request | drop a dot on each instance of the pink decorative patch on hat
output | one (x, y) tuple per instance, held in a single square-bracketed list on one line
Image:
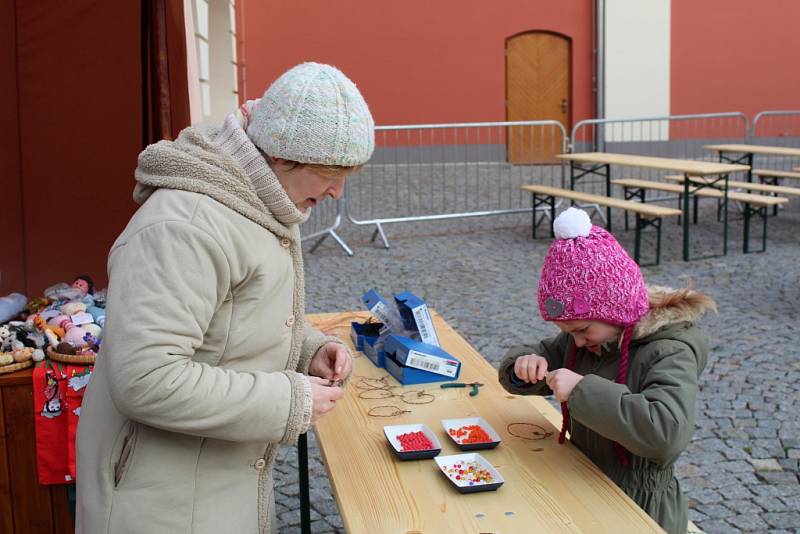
[(580, 306)]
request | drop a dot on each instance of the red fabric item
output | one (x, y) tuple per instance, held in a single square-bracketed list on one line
[(77, 379), (57, 397), (50, 421)]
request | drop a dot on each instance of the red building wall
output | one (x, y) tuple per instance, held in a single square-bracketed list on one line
[(735, 56), (415, 61), (71, 111)]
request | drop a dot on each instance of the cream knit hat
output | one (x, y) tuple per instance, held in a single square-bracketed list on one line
[(313, 113)]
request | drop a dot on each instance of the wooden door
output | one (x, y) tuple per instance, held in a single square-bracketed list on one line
[(538, 87)]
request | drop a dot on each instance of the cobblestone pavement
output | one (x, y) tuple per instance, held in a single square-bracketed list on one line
[(741, 470)]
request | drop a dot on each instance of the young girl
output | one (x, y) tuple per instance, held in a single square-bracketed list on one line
[(625, 366), (207, 364)]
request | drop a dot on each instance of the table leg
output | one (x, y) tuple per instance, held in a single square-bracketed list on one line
[(305, 501), (686, 205)]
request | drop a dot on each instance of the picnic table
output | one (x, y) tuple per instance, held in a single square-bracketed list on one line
[(599, 164), (746, 153), (548, 487)]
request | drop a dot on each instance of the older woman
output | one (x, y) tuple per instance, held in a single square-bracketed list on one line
[(207, 365)]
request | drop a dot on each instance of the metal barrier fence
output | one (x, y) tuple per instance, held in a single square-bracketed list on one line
[(776, 128), (447, 171), (325, 219), (677, 136)]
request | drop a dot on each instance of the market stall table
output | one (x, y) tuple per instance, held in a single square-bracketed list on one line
[(548, 487)]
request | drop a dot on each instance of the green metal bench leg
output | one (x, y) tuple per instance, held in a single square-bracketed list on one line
[(641, 224), (746, 244)]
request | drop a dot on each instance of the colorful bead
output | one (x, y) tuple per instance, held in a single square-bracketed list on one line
[(414, 441), (469, 473), (470, 434)]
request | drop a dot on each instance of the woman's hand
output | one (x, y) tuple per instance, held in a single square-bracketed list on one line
[(323, 397), (562, 382), (331, 362), (530, 368)]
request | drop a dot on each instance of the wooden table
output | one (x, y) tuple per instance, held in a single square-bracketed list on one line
[(548, 487), (748, 152), (26, 507), (599, 164)]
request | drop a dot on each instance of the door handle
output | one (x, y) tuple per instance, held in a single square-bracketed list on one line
[(563, 105)]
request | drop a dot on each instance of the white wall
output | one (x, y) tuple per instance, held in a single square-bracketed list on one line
[(637, 65)]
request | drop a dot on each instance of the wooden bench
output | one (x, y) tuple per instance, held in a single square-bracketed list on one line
[(646, 214), (751, 186), (774, 173), (773, 177), (753, 205)]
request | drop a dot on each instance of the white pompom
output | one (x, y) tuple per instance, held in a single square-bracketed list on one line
[(572, 223)]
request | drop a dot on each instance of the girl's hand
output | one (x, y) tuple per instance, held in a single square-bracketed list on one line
[(331, 362), (562, 382), (530, 368)]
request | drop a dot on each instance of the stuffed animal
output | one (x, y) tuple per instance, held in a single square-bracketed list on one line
[(6, 358), (73, 308), (22, 355)]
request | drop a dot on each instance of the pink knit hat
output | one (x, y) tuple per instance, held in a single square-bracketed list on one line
[(588, 276)]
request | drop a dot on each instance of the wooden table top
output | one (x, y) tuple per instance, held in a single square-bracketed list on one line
[(755, 149), (693, 167), (548, 487)]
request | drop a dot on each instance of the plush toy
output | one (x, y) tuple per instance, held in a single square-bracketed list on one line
[(22, 355), (93, 329), (11, 306), (27, 334), (65, 348), (84, 284), (40, 324), (36, 305), (74, 334), (73, 308)]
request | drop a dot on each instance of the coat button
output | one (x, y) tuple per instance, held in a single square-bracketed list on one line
[(290, 320), (261, 464), (285, 243)]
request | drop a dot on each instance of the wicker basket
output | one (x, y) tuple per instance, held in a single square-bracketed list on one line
[(15, 367), (70, 358)]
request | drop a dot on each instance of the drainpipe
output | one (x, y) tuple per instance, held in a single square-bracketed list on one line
[(600, 70)]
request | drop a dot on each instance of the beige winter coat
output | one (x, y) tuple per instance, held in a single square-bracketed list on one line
[(198, 379)]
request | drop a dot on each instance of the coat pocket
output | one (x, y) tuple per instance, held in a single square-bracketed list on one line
[(128, 445)]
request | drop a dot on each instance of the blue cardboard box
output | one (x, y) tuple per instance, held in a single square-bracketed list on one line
[(416, 317), (360, 332), (414, 362), (375, 355)]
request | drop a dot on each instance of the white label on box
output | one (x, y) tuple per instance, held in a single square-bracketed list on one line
[(425, 325), (81, 318), (432, 364)]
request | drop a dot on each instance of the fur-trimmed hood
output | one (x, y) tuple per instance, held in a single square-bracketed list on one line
[(669, 306)]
